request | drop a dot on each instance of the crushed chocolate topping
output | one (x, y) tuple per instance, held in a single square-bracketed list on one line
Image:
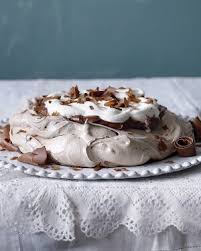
[(74, 92)]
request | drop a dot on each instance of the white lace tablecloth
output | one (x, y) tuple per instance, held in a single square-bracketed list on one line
[(97, 208)]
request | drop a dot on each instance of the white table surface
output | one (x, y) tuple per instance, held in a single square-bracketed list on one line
[(180, 95)]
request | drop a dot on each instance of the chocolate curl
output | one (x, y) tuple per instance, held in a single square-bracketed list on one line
[(185, 146), (5, 143), (196, 122), (37, 157)]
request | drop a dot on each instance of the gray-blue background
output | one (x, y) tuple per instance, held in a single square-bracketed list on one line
[(99, 38)]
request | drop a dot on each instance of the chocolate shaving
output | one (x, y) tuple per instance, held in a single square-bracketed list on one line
[(165, 127), (162, 147), (37, 157), (74, 92), (185, 146), (76, 168), (120, 169), (96, 92), (40, 107), (98, 167), (51, 97), (111, 103), (122, 103), (6, 143), (56, 114), (132, 97), (14, 158), (55, 167), (21, 130), (196, 122)]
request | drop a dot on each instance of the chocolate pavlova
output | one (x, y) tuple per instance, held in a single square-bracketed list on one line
[(108, 127)]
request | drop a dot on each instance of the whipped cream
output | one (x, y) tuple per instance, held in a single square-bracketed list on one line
[(137, 111)]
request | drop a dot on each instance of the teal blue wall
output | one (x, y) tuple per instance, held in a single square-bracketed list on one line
[(99, 38)]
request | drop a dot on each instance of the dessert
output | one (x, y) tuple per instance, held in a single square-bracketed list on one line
[(108, 127)]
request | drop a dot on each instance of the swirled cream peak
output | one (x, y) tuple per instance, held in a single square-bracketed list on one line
[(117, 107)]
